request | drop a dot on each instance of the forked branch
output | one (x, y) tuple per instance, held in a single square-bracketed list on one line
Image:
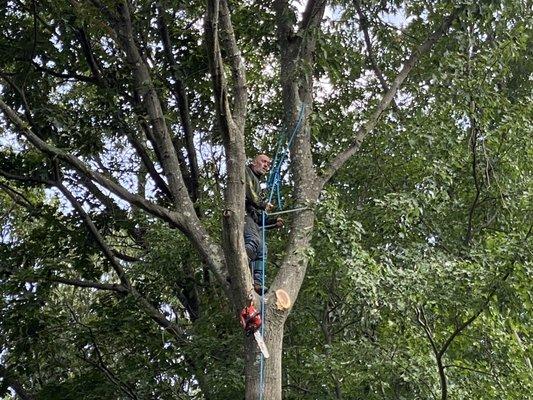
[(200, 239)]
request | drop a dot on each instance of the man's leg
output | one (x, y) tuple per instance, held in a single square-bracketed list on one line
[(253, 243), (251, 238)]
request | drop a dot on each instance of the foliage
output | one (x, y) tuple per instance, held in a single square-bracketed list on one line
[(419, 271)]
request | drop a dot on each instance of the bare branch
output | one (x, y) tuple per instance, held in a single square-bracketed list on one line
[(100, 364), (172, 217), (126, 286), (387, 98), (147, 162), (421, 318), (474, 316), (217, 69), (238, 70), (87, 50), (101, 8), (145, 305), (364, 27), (107, 201), (312, 14), (474, 131), (88, 284), (147, 93), (68, 75), (439, 353), (180, 93), (119, 270), (438, 356), (124, 257), (15, 195), (14, 86)]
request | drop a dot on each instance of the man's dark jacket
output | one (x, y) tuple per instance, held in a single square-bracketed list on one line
[(255, 202)]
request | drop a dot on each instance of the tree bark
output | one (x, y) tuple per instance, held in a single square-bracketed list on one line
[(296, 50), (266, 384), (297, 44)]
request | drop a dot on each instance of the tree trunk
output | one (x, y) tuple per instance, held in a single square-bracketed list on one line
[(271, 376)]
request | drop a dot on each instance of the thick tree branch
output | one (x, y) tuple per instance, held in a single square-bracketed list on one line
[(387, 98), (233, 138), (151, 103), (87, 50), (238, 70), (312, 14), (171, 217), (284, 27), (297, 66), (180, 93), (217, 69), (186, 222)]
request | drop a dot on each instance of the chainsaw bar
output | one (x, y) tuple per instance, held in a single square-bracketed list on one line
[(261, 344)]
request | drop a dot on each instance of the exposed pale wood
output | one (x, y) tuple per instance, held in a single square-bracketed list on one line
[(283, 300)]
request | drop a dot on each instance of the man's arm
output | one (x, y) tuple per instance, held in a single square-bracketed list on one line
[(274, 223)]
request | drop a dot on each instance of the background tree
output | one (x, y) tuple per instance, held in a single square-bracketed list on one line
[(126, 126)]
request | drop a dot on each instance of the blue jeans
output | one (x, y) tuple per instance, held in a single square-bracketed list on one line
[(253, 243)]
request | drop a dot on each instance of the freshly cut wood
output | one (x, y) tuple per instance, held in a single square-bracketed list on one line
[(283, 301)]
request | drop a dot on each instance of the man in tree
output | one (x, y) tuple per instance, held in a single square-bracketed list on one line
[(255, 204)]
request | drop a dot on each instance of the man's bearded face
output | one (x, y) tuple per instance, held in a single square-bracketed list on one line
[(261, 164)]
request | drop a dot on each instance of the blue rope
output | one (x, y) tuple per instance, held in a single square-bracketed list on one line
[(281, 154), (263, 276), (274, 178), (273, 184)]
